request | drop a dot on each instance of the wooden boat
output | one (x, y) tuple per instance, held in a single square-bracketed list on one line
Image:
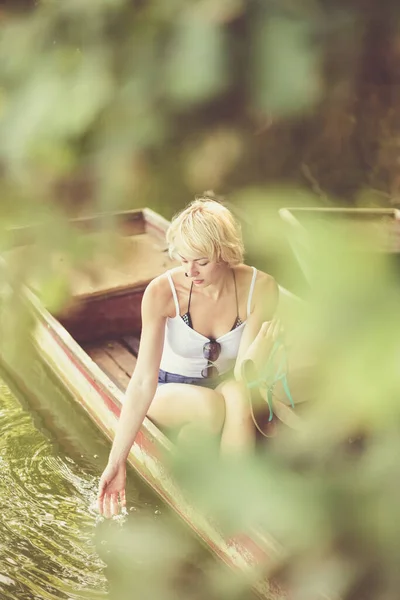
[(92, 348), (381, 226)]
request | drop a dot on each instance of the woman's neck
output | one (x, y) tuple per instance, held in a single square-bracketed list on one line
[(221, 285)]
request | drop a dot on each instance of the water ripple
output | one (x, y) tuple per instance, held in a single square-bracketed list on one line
[(46, 522)]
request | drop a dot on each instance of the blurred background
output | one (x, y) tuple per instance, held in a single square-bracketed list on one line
[(122, 103), (114, 104), (109, 105)]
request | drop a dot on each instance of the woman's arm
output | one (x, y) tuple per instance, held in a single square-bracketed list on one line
[(138, 397), (143, 384), (257, 334)]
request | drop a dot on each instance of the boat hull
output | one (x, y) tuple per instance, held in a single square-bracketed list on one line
[(102, 401), (101, 398)]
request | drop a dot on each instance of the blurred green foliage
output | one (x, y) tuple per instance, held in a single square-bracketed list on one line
[(109, 103), (115, 104)]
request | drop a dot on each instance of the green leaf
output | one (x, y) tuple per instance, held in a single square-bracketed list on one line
[(286, 73), (59, 101), (196, 66)]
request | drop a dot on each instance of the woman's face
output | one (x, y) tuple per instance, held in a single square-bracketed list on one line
[(201, 270)]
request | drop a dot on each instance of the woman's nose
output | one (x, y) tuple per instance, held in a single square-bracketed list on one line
[(192, 270)]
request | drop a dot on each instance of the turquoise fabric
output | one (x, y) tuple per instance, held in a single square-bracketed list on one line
[(270, 375)]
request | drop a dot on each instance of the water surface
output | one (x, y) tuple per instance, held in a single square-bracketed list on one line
[(51, 456), (53, 544)]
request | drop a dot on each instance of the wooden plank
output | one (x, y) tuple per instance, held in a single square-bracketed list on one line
[(101, 318), (132, 342), (121, 355), (134, 261), (109, 366), (381, 226), (130, 222), (155, 223)]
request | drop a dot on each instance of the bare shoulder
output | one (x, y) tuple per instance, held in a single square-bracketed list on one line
[(266, 291), (266, 295), (264, 283), (158, 296)]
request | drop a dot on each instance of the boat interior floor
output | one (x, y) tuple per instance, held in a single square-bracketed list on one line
[(116, 357)]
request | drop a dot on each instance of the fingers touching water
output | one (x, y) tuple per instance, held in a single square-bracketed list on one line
[(111, 496)]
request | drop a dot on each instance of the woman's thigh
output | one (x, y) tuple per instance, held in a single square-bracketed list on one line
[(237, 405), (176, 404)]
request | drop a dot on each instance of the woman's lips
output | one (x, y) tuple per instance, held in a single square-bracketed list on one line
[(198, 281)]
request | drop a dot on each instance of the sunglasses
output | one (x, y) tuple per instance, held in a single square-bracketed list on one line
[(211, 352)]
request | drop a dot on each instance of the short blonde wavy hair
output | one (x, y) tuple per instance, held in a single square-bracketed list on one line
[(206, 228)]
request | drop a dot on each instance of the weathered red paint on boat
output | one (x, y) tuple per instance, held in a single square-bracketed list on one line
[(83, 378), (109, 402), (241, 542), (106, 398)]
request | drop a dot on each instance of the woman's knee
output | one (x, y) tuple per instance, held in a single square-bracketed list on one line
[(237, 404), (212, 410)]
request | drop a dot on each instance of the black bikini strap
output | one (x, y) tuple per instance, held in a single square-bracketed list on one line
[(190, 297), (236, 296)]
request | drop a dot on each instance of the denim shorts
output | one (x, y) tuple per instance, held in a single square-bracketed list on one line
[(208, 382)]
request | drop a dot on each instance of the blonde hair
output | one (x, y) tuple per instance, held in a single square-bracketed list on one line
[(206, 228)]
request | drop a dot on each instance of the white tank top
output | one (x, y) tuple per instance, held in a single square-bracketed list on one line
[(183, 346)]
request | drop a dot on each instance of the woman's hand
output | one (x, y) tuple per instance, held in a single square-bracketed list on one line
[(261, 347), (112, 489)]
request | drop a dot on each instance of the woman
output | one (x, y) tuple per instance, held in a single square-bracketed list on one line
[(199, 321)]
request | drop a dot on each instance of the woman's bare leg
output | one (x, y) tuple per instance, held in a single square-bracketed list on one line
[(188, 408), (191, 409), (238, 433)]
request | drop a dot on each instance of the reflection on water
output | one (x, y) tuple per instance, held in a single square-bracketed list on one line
[(46, 524), (47, 489)]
